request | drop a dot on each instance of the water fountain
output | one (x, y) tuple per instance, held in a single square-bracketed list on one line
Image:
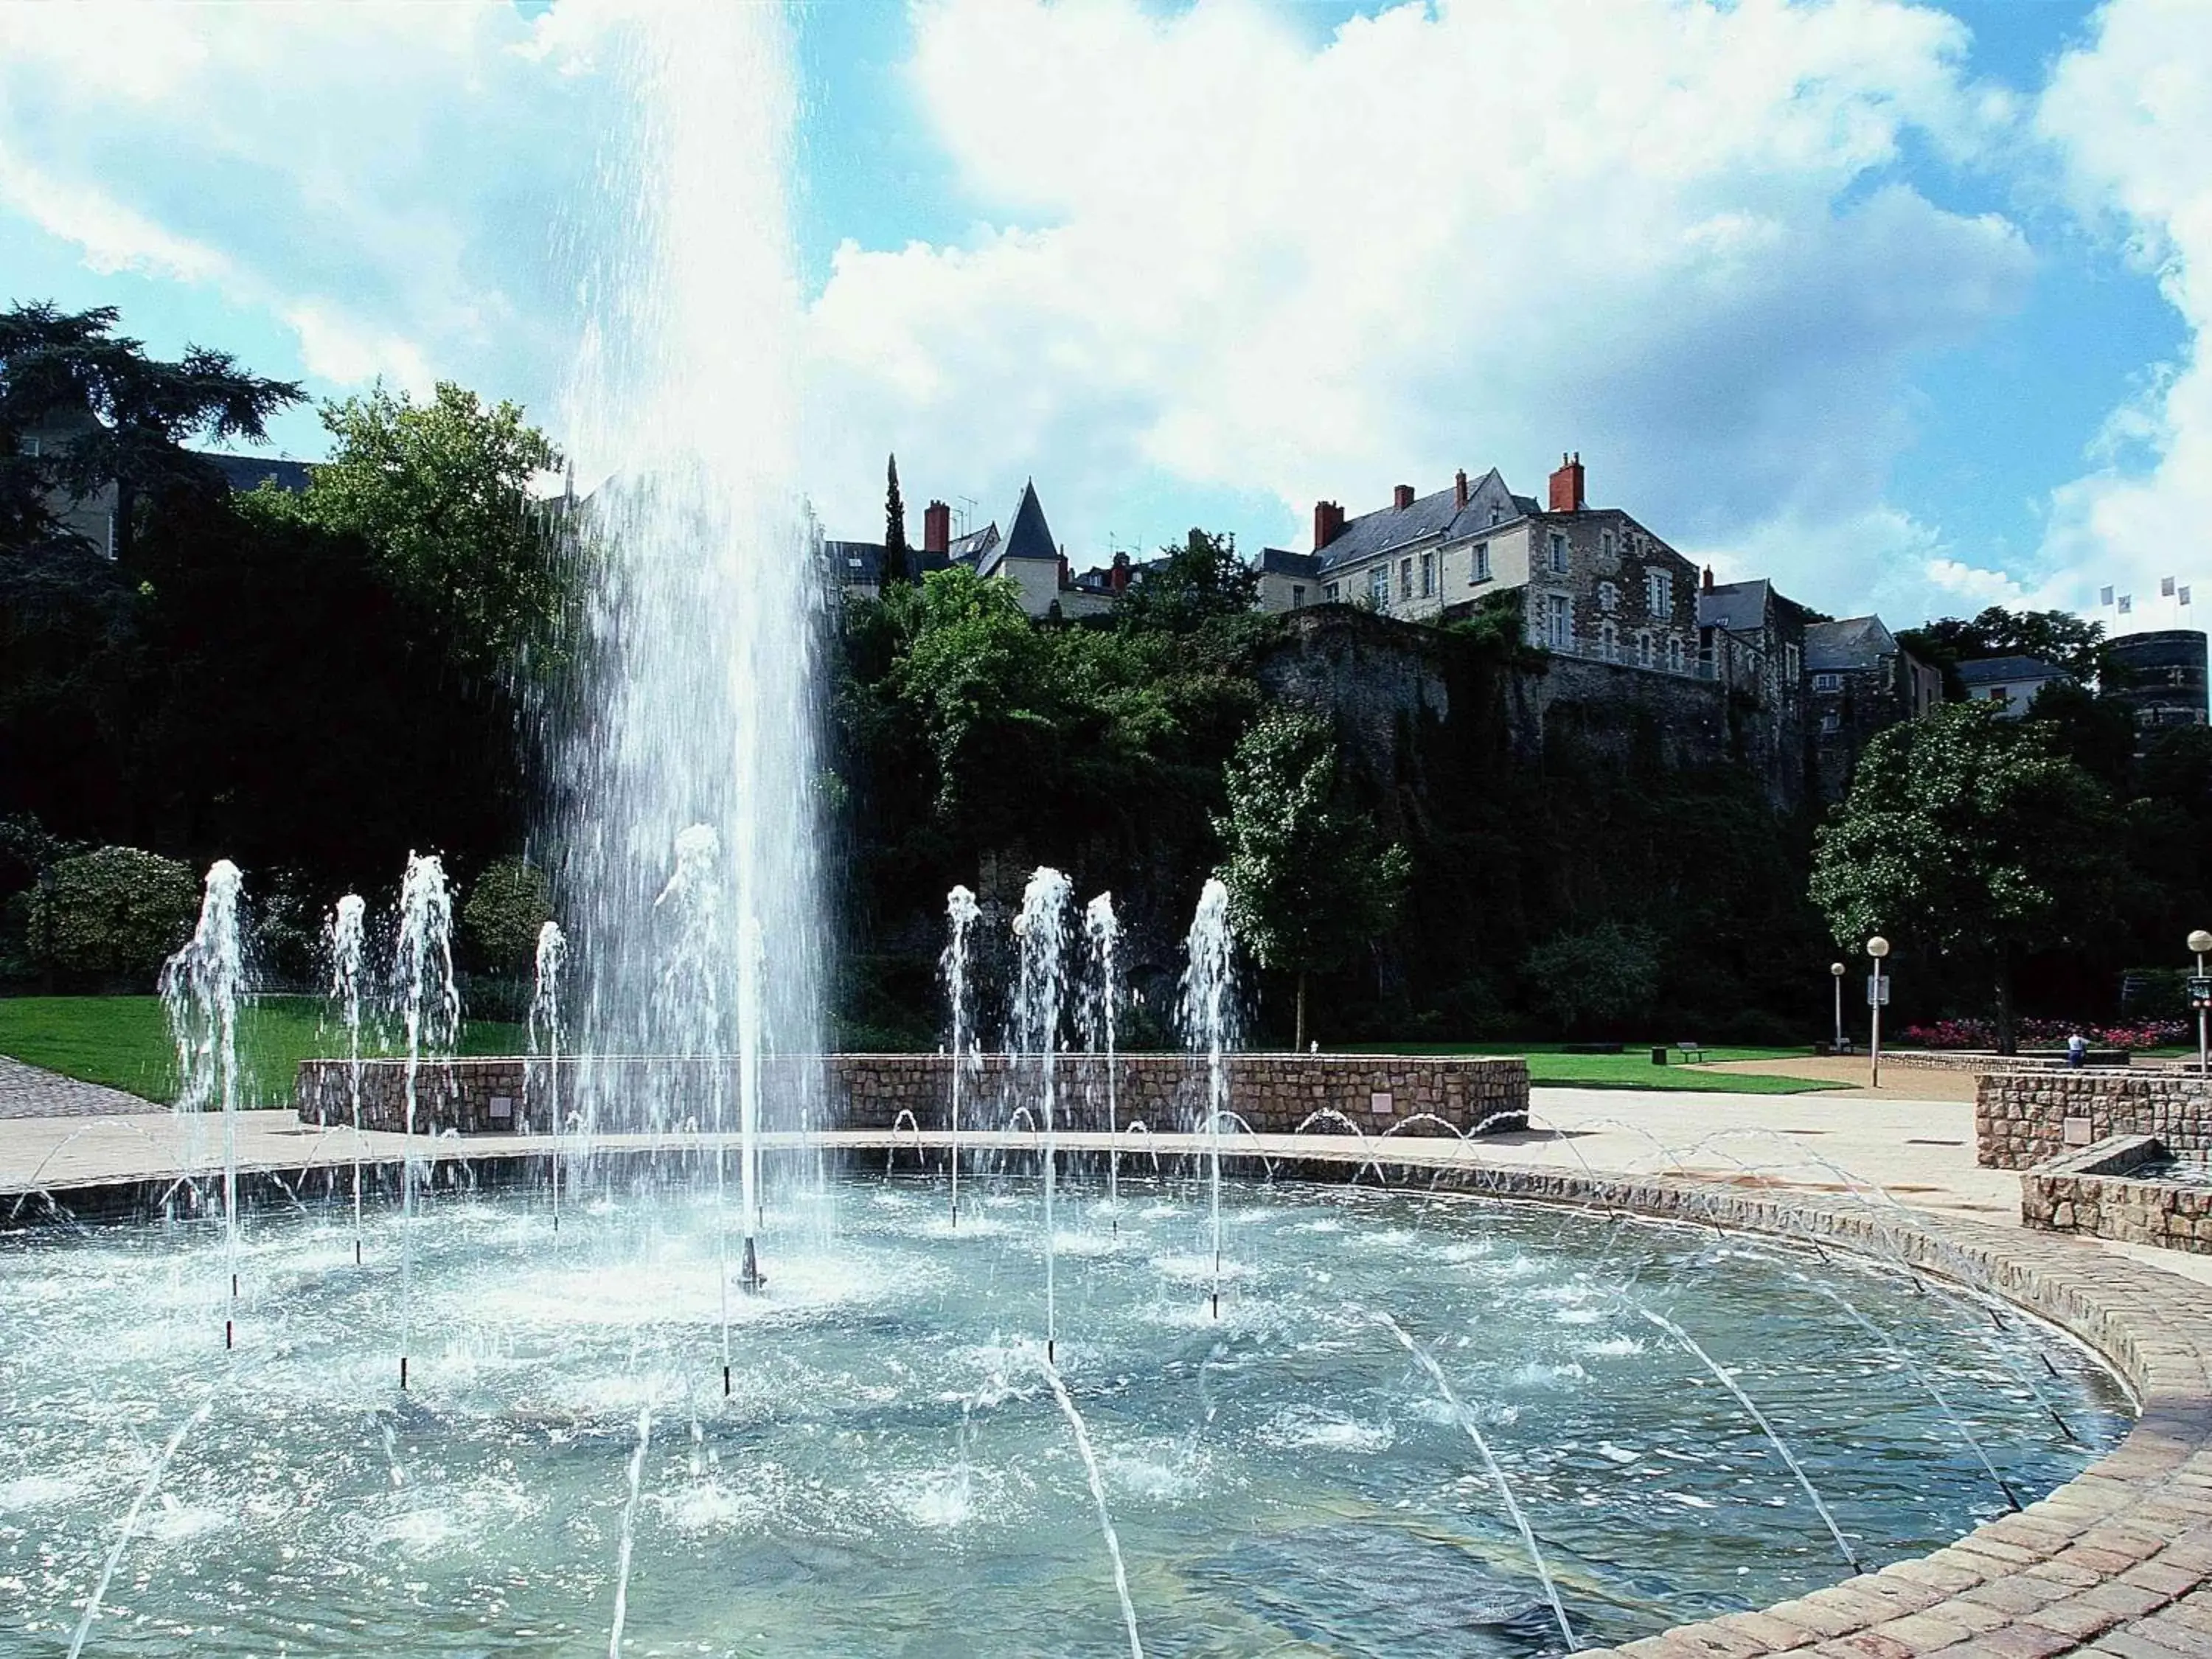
[(533, 1512), (1207, 1015), (960, 910), (342, 940), (543, 1033), (1101, 1008), (200, 987), (429, 1002), (1042, 928)]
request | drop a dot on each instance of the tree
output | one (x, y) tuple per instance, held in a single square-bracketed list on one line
[(1600, 978), (507, 906), (441, 491), (2075, 644), (129, 417), (1192, 584), (1967, 835), (897, 567), (1309, 882), (115, 913)]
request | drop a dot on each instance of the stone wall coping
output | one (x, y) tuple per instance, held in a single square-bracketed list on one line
[(2115, 1155)]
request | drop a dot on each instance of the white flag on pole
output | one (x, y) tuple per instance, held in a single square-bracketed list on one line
[(2104, 596), (2126, 603), (2166, 587)]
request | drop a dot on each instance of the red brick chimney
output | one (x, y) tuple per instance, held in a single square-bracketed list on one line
[(1066, 575), (1567, 484), (937, 528), (1328, 524), (1708, 583), (1402, 497), (1459, 489)]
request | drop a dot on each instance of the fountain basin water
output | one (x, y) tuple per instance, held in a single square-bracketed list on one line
[(891, 1472)]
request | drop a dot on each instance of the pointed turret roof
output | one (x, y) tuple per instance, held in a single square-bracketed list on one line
[(1031, 536)]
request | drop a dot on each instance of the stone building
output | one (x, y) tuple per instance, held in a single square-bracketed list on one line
[(1859, 680), (1593, 581), (1025, 555), (2159, 677)]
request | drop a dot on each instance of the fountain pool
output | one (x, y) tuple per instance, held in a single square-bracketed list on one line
[(891, 1472)]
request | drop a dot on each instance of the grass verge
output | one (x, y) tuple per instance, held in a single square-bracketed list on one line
[(124, 1042)]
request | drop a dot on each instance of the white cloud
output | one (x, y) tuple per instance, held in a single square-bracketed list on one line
[(1671, 236), (2132, 112), (382, 178)]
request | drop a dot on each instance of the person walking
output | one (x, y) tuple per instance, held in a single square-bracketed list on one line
[(2077, 1051)]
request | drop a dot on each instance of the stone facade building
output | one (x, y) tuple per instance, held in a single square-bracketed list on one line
[(1859, 680)]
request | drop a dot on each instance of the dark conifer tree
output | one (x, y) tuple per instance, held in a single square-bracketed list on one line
[(897, 566)]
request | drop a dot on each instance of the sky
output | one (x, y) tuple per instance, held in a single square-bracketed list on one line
[(1899, 304)]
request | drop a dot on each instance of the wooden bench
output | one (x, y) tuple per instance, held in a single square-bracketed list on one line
[(1691, 1052)]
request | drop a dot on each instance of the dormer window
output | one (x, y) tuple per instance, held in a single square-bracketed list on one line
[(1497, 512)]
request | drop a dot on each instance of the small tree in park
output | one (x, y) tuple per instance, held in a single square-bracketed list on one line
[(1309, 881), (1969, 835)]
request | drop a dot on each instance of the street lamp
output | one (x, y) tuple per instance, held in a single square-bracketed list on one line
[(2200, 942), (1836, 969), (1877, 947)]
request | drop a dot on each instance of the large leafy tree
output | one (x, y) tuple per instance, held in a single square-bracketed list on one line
[(1191, 584), (441, 492), (127, 417), (2074, 643), (1967, 836), (1309, 882)]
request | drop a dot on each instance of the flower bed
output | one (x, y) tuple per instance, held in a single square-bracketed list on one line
[(2046, 1034)]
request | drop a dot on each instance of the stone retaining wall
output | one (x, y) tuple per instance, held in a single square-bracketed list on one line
[(1967, 1060), (2023, 1118), (2098, 1192), (1273, 1094)]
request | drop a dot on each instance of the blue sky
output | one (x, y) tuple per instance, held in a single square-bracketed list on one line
[(1899, 302)]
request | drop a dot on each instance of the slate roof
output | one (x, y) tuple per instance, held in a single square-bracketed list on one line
[(1029, 539), (1429, 520), (856, 562), (252, 472), (1279, 561), (971, 548), (1854, 642), (1999, 671), (1739, 607)]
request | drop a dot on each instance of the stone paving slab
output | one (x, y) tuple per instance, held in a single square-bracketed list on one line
[(31, 1091)]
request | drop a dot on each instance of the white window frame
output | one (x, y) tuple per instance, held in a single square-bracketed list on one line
[(1831, 723), (1297, 596), (1428, 575), (1609, 642), (1826, 681), (1674, 654), (1378, 585), (1559, 553), (1331, 593), (1608, 597), (1644, 647), (1659, 592), (1406, 577), (1479, 559), (1560, 622)]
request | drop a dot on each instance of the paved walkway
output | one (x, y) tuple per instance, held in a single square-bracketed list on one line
[(33, 1092)]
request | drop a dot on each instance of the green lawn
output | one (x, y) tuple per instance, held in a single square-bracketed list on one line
[(1632, 1068), (124, 1042)]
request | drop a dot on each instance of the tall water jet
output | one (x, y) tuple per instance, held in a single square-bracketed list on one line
[(430, 1014), (544, 1031), (199, 988), (1208, 1023), (1101, 928), (344, 936), (1041, 927), (700, 959), (960, 910), (752, 974), (694, 699)]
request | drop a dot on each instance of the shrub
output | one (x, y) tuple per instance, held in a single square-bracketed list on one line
[(509, 902), (1598, 979), (117, 912)]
